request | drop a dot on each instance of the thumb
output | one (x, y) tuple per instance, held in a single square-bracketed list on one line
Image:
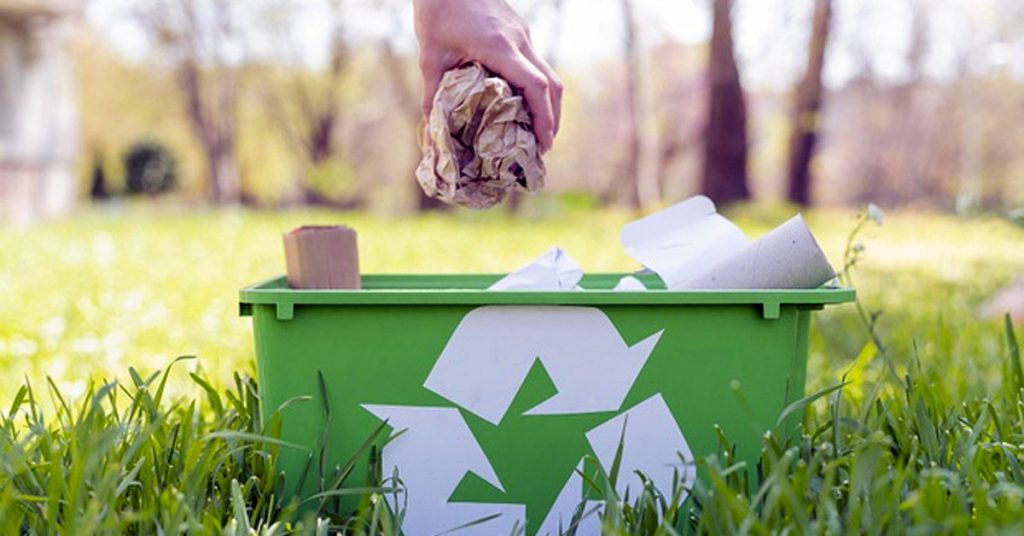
[(431, 81)]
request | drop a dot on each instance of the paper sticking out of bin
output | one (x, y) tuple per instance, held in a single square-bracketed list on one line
[(553, 270), (691, 246), (322, 257), (786, 258), (683, 241)]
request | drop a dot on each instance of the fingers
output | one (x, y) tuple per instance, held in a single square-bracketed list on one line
[(554, 83), (513, 66)]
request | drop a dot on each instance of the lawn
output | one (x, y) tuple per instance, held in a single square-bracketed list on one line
[(930, 430)]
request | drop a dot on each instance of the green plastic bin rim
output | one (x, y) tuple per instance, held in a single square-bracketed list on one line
[(471, 289)]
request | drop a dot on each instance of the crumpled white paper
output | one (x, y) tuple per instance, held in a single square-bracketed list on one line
[(554, 270)]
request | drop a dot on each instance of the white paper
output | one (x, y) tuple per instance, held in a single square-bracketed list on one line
[(554, 270), (786, 258), (683, 241), (492, 350)]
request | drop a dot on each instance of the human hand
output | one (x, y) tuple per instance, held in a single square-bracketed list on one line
[(454, 32)]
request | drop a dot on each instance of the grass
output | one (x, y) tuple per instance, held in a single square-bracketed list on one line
[(926, 434)]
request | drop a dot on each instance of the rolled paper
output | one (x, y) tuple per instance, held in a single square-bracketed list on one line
[(786, 258), (322, 257)]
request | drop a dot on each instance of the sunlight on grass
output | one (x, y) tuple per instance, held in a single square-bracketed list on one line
[(140, 285)]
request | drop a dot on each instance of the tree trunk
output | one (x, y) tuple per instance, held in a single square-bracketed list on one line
[(807, 107), (725, 140), (214, 126), (224, 177), (630, 177)]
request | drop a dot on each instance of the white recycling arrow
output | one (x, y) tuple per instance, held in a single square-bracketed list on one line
[(433, 455), (559, 518), (491, 351), (652, 444)]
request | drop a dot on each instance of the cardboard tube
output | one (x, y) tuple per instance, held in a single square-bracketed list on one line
[(786, 258), (320, 257)]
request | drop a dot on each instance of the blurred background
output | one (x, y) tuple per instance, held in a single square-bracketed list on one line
[(152, 153), (275, 103)]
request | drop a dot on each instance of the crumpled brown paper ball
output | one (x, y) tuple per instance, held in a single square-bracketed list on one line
[(478, 143)]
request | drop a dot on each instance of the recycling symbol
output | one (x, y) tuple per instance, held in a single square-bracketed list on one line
[(481, 371)]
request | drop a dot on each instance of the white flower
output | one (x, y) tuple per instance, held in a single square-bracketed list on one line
[(875, 214)]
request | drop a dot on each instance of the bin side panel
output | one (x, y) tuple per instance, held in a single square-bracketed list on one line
[(367, 355), (722, 365)]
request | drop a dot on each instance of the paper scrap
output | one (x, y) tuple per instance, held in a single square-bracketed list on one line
[(478, 143), (554, 270), (682, 241), (786, 258)]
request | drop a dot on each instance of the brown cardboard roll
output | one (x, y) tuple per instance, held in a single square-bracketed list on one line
[(788, 257), (322, 256)]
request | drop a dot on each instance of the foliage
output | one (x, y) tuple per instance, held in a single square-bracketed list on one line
[(907, 137), (927, 439), (125, 459), (150, 168)]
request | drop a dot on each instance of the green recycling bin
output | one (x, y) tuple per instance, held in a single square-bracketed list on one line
[(498, 398)]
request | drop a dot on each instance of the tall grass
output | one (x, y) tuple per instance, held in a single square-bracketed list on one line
[(916, 425), (908, 459)]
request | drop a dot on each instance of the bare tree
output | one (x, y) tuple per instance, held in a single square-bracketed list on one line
[(307, 107), (629, 183), (807, 107), (725, 140), (196, 37)]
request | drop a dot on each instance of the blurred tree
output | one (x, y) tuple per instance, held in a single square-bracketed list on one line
[(725, 139), (198, 38), (678, 111), (807, 107), (629, 177), (150, 168), (307, 110), (98, 190), (146, 103)]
